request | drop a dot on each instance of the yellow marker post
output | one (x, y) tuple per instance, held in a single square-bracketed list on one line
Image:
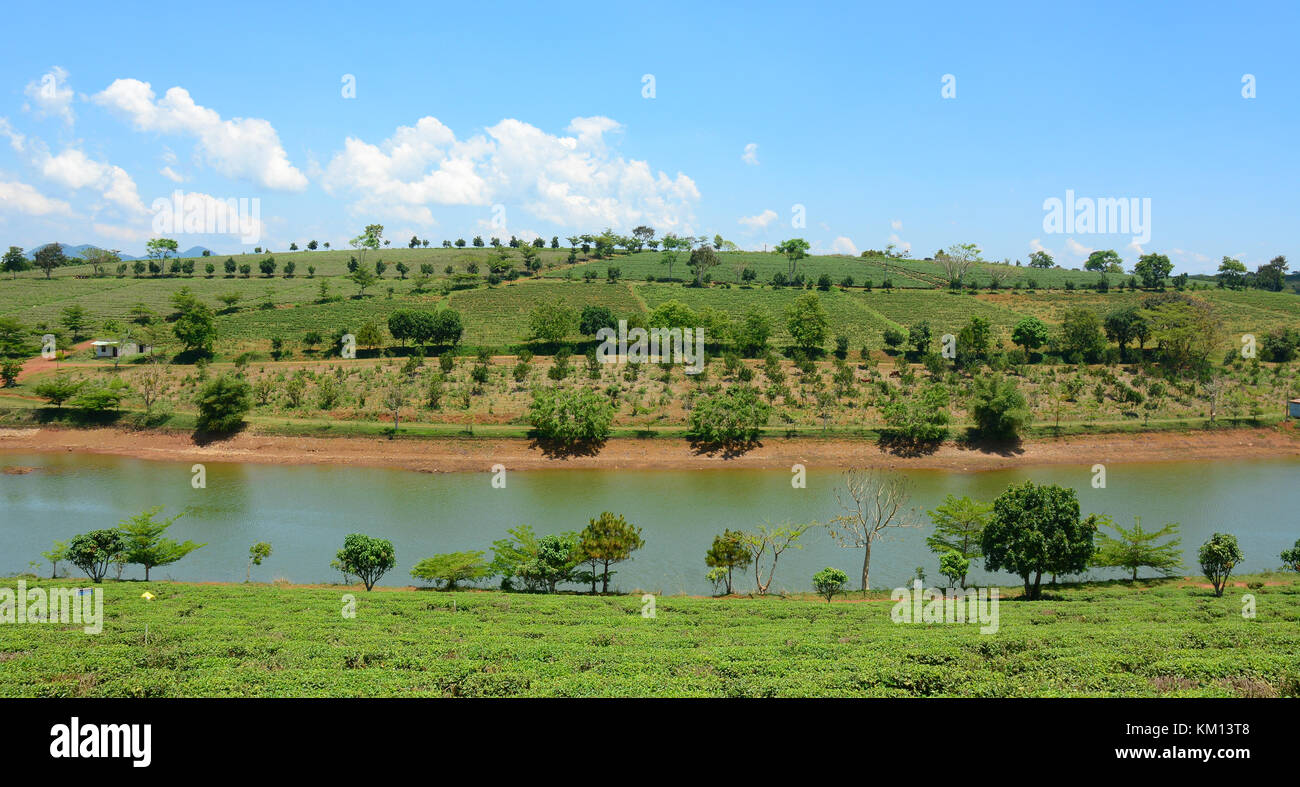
[(147, 596)]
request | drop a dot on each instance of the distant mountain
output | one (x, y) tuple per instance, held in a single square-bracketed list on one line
[(76, 251)]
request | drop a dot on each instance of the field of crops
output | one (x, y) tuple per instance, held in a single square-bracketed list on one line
[(1153, 639), (499, 316), (647, 264)]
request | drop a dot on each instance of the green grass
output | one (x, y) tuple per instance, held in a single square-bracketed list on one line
[(1114, 639)]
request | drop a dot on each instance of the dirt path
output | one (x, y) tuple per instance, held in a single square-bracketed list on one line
[(479, 454), (38, 364)]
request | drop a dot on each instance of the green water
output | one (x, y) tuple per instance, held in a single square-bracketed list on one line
[(305, 512)]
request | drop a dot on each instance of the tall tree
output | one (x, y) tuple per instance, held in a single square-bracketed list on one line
[(146, 541), (794, 249), (50, 257), (873, 501), (607, 539), (958, 526), (1136, 548)]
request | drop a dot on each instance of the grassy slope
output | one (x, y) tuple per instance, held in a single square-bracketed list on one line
[(1150, 639)]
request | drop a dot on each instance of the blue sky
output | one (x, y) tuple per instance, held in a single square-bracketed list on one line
[(535, 116)]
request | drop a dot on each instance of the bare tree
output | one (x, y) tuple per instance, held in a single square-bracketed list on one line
[(873, 501), (1214, 389), (958, 259), (151, 383), (765, 546)]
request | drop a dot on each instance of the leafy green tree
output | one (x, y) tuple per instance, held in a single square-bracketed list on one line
[(1030, 333), (223, 403), (364, 279), (58, 389), (1136, 548), (920, 418), (101, 397), (196, 326), (49, 257), (607, 539), (1081, 333), (974, 341), (15, 261), (1124, 326), (794, 249), (366, 557), (730, 418), (1218, 556), (451, 568), (594, 318), (1232, 273), (56, 553), (1291, 557), (727, 554), (552, 322), (147, 544), (807, 322), (752, 333), (92, 552), (959, 524), (1152, 270), (261, 550), (829, 581), (998, 407), (1041, 259), (1035, 530), (571, 417), (702, 260), (1104, 261), (954, 566)]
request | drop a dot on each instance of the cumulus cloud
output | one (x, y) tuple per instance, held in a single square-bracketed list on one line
[(841, 245), (50, 96), (573, 180), (172, 175), (22, 198), (75, 170), (1076, 248), (750, 156), (247, 148), (899, 242), (896, 225), (759, 221)]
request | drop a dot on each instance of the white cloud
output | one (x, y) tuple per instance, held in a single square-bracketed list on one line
[(75, 170), (1076, 248), (16, 141), (172, 175), (759, 221), (750, 156), (246, 148), (896, 225), (25, 199), (841, 245), (573, 181), (899, 242), (1036, 245), (51, 95)]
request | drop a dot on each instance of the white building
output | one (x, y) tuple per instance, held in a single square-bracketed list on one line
[(115, 349)]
